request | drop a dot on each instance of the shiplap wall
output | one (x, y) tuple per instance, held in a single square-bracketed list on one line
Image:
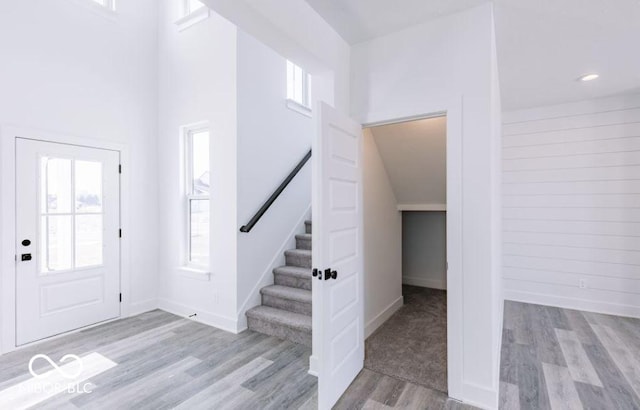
[(571, 205)]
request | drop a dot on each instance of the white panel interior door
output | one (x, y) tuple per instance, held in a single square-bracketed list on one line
[(67, 228), (337, 231)]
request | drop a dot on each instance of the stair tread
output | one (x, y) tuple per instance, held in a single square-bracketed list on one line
[(296, 271), (303, 236), (286, 292), (303, 252), (308, 222), (282, 317)]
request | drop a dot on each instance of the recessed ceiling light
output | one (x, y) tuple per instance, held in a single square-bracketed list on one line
[(588, 77)]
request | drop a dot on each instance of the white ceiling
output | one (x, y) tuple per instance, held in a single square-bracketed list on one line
[(543, 45), (414, 156)]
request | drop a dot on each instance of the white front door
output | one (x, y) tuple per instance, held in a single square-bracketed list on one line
[(67, 244), (337, 253)]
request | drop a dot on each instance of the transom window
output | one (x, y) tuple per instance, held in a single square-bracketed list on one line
[(298, 85), (109, 4), (197, 196), (190, 6), (71, 214)]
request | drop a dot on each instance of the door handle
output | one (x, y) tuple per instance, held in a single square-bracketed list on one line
[(26, 257), (330, 274)]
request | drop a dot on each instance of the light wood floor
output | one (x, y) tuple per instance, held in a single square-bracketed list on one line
[(164, 361), (567, 359), (551, 359)]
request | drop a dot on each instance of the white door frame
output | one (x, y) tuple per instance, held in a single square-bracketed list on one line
[(8, 136), (455, 297)]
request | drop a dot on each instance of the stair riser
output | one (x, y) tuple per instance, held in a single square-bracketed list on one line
[(302, 261), (307, 227), (303, 243), (281, 331), (292, 281), (287, 304)]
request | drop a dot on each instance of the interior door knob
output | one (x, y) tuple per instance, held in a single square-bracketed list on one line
[(330, 274)]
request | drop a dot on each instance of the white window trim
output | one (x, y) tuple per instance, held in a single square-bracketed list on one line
[(299, 108), (189, 268), (108, 10), (303, 107), (191, 18)]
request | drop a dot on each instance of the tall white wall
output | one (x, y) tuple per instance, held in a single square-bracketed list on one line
[(571, 195), (197, 82), (438, 64), (69, 70), (382, 240), (424, 249), (272, 139)]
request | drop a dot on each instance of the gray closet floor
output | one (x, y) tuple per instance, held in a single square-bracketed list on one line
[(556, 358), (164, 361)]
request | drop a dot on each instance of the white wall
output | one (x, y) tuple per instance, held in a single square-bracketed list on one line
[(197, 82), (571, 195), (72, 71), (424, 249), (272, 139), (431, 67), (382, 240), (295, 30)]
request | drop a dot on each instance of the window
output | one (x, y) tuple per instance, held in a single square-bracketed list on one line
[(190, 6), (298, 86), (191, 12), (71, 214), (109, 4), (197, 195)]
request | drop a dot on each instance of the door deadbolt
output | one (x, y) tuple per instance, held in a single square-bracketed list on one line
[(26, 242)]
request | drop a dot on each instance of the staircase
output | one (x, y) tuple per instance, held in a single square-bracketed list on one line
[(286, 306)]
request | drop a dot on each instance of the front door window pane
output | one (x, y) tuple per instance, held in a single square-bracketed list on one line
[(56, 184), (88, 240), (88, 190), (57, 240)]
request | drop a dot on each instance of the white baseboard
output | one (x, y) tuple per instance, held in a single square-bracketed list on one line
[(208, 318), (573, 303), (480, 396), (313, 366), (424, 282), (382, 317), (142, 307)]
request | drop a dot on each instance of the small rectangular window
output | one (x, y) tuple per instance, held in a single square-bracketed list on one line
[(298, 85), (197, 195), (109, 4), (191, 12)]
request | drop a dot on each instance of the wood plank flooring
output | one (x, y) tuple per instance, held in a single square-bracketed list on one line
[(557, 359), (372, 390), (164, 361)]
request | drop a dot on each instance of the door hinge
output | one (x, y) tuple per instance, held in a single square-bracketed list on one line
[(121, 298), (119, 168), (119, 233)]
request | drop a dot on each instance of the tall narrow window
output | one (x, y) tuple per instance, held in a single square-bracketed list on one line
[(298, 85), (197, 198)]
